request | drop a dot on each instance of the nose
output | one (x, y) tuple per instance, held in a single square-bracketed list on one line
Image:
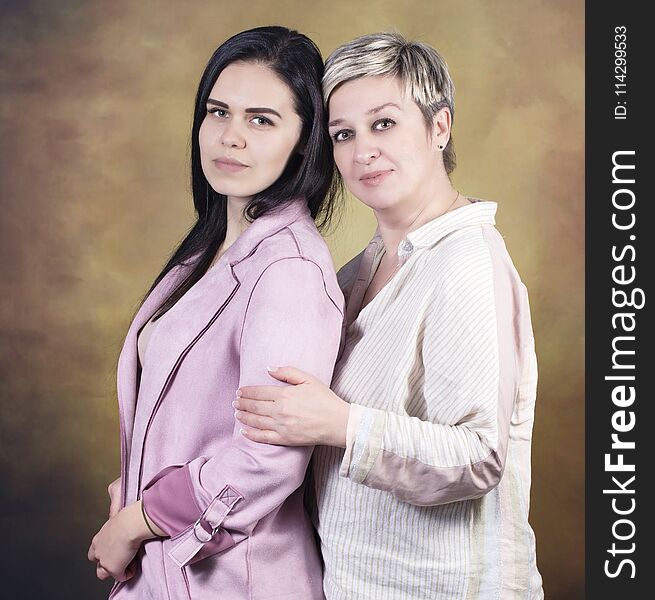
[(231, 136), (365, 151)]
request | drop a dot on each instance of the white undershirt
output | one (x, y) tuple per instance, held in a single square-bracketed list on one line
[(144, 338)]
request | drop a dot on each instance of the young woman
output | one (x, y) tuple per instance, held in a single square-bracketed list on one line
[(423, 479), (200, 511)]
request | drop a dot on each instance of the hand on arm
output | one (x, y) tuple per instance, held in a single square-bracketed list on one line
[(304, 413), (470, 363)]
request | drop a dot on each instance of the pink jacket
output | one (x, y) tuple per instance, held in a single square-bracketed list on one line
[(232, 507)]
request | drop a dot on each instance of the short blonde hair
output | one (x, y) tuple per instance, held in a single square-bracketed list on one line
[(420, 68)]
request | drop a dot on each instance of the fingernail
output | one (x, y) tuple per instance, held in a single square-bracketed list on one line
[(242, 431), (238, 393), (235, 404), (237, 413), (272, 369)]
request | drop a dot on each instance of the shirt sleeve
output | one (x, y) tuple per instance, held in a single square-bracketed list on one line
[(477, 350), (290, 320)]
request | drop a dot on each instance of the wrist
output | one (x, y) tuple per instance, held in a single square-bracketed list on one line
[(337, 436), (137, 528)]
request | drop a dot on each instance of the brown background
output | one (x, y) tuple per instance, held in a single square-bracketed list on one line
[(96, 100)]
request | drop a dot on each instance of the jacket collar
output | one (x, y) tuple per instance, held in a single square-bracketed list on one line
[(264, 227)]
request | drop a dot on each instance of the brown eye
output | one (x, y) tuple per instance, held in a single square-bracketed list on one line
[(382, 124), (219, 112), (342, 135), (259, 120)]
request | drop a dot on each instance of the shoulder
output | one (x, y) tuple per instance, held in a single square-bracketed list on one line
[(480, 245), (296, 260), (473, 268), (461, 259), (308, 241), (295, 286), (298, 239)]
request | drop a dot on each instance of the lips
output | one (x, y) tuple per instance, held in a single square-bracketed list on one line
[(375, 177), (230, 165)]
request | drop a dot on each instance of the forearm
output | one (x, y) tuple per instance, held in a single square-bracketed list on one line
[(420, 462), (259, 479)]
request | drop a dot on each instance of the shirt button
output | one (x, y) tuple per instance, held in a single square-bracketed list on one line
[(405, 248)]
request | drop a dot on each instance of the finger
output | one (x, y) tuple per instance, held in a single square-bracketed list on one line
[(255, 407), (255, 420), (290, 375), (263, 436), (269, 393)]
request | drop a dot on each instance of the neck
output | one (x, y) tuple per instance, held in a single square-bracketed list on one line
[(236, 222), (396, 221)]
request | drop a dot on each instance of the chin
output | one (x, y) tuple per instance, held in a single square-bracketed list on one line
[(236, 191), (377, 199)]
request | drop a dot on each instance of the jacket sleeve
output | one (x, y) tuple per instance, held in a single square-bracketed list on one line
[(478, 366), (213, 502)]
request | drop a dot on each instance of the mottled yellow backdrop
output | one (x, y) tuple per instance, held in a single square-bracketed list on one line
[(96, 103)]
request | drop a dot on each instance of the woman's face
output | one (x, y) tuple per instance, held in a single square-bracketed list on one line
[(381, 143), (249, 131)]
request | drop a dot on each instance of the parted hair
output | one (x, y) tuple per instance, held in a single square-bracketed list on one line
[(421, 70)]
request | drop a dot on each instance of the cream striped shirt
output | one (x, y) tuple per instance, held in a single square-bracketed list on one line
[(430, 498)]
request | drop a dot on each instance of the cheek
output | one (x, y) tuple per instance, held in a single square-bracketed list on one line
[(204, 137), (342, 159), (276, 152), (411, 153)]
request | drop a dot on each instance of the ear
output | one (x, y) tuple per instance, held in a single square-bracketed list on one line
[(441, 128)]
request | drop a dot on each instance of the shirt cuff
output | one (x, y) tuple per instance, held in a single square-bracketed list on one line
[(364, 436), (169, 501)]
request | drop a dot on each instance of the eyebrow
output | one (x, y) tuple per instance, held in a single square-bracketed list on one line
[(256, 109), (377, 109)]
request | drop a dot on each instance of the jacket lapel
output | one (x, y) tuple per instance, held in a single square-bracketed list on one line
[(180, 328), (127, 370)]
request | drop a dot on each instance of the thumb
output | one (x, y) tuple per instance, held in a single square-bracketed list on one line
[(289, 375)]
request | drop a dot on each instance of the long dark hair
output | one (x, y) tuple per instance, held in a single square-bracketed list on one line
[(310, 175)]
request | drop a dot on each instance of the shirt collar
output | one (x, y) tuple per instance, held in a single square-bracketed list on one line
[(479, 212)]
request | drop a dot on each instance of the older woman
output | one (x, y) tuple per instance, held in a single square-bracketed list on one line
[(422, 483)]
